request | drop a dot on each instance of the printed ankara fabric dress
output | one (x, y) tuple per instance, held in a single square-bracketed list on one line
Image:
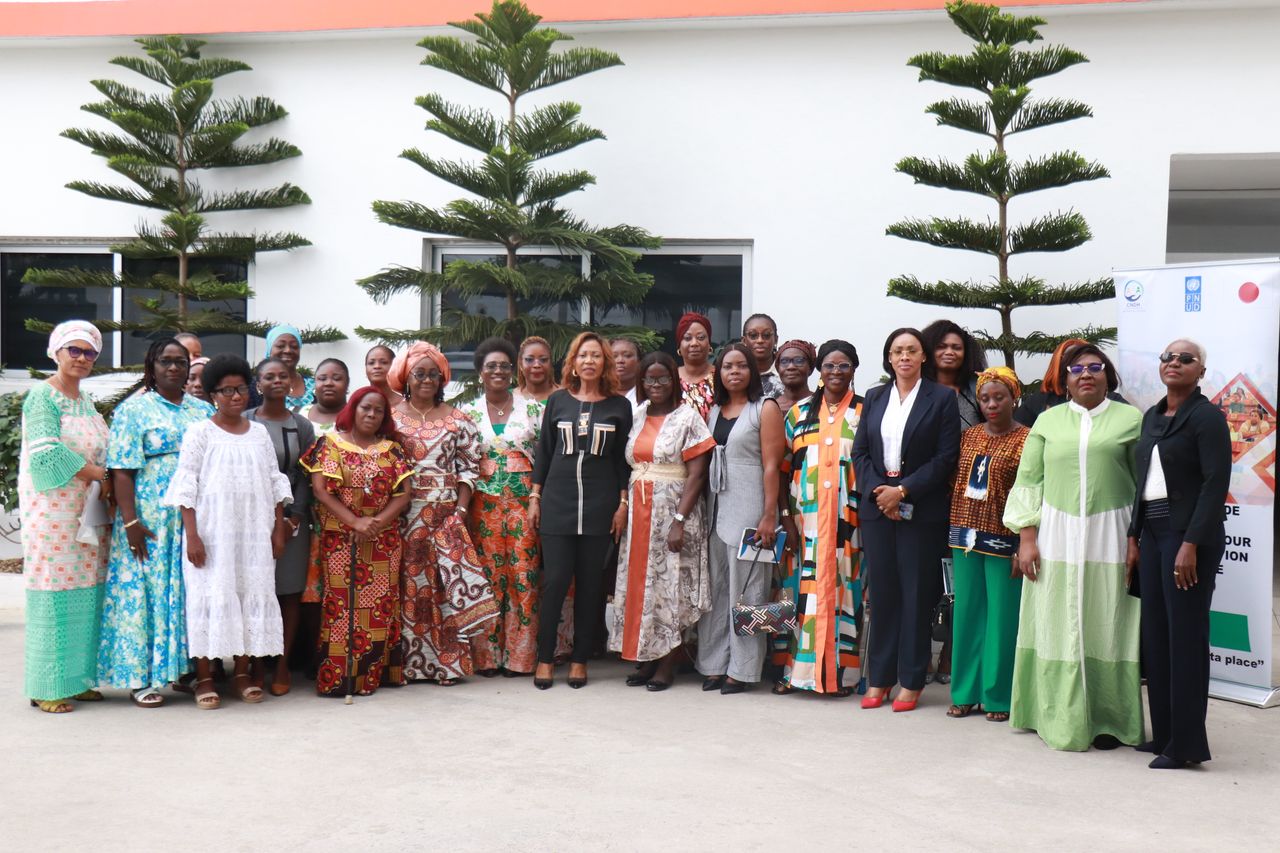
[(360, 616), (825, 577), (233, 484), (700, 395), (445, 599), (144, 620), (505, 542), (1075, 671), (63, 575), (660, 594)]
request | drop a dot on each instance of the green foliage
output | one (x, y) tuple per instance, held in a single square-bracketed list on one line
[(10, 445), (165, 135), (513, 201), (1000, 69)]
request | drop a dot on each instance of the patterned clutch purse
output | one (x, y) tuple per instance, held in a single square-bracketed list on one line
[(775, 617)]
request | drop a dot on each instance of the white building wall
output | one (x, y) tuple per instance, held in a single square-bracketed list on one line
[(785, 135)]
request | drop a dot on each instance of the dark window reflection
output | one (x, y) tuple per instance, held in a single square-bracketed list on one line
[(709, 284), (20, 348), (136, 343)]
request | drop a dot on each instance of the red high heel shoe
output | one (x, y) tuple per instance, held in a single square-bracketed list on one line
[(875, 701), (906, 705)]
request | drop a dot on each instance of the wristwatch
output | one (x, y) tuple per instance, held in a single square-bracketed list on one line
[(678, 516)]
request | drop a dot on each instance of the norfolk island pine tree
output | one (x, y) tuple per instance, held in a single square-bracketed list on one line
[(1000, 71)]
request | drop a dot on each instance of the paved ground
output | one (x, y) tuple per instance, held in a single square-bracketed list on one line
[(497, 765)]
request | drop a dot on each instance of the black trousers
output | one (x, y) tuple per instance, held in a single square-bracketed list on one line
[(904, 577), (579, 559), (1175, 640)]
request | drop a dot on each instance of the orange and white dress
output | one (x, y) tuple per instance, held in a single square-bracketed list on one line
[(659, 594)]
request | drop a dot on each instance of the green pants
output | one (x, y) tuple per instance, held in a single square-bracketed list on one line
[(985, 630)]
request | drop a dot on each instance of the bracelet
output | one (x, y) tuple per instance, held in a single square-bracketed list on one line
[(535, 496), (902, 493), (132, 523)]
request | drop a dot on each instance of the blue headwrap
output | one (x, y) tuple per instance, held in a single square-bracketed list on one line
[(283, 329)]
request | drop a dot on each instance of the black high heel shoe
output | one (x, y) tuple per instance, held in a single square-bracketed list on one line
[(577, 681), (543, 683), (641, 676)]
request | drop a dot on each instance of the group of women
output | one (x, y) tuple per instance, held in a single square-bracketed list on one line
[(441, 541)]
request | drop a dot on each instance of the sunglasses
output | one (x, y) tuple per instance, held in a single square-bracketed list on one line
[(166, 363), (1180, 357), (1093, 368), (796, 361), (759, 336), (81, 352), (424, 375), (656, 381)]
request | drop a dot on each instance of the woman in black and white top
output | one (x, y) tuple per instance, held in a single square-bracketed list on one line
[(579, 499)]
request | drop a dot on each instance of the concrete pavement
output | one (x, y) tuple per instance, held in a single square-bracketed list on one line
[(496, 765)]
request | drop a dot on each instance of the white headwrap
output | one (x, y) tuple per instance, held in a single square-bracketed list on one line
[(73, 330)]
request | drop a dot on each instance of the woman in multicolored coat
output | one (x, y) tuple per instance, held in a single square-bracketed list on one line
[(822, 520)]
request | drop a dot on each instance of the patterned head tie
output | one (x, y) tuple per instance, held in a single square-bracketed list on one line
[(1004, 376), (73, 330)]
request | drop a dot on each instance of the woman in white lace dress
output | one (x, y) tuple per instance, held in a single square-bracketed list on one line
[(232, 497)]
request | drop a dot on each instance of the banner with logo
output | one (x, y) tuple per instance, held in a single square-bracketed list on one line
[(1233, 310)]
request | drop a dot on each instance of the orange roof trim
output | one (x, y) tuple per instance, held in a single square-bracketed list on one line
[(56, 18)]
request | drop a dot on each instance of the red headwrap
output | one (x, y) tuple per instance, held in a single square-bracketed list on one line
[(805, 347), (688, 320), (346, 419), (398, 374)]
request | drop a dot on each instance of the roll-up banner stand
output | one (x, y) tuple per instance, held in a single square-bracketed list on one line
[(1232, 308)]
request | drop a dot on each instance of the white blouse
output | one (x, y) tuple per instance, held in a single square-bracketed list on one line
[(1155, 489), (894, 423)]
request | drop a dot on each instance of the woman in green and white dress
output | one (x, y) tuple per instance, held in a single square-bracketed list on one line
[(1075, 672)]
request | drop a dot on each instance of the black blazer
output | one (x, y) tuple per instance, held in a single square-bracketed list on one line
[(930, 447), (1195, 455)]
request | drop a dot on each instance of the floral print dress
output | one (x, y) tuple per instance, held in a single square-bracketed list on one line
[(505, 542), (144, 626)]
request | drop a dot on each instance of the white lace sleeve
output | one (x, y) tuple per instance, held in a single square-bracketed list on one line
[(184, 488)]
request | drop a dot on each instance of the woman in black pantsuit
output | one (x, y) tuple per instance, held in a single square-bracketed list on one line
[(904, 455), (1176, 540), (579, 498)]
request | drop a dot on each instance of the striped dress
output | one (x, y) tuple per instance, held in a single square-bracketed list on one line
[(1075, 672), (825, 578)]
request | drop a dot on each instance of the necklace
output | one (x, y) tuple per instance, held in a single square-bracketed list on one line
[(422, 416), (502, 411)]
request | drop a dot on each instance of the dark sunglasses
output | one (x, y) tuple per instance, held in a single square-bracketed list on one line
[(1180, 357), (1094, 367), (81, 352)]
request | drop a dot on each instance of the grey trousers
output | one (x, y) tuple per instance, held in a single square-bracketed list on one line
[(720, 651)]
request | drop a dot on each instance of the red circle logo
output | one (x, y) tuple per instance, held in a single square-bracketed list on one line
[(1248, 292)]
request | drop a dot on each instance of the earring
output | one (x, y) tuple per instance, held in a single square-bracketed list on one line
[(575, 373)]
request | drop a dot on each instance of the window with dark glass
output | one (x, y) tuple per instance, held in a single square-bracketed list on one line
[(706, 283), (494, 303), (20, 348), (135, 345)]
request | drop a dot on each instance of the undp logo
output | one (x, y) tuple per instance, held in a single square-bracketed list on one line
[(1132, 291)]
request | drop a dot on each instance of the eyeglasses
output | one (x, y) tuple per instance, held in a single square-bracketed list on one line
[(425, 375), (536, 359), (656, 381), (81, 352), (1095, 367), (232, 391), (766, 335), (901, 351), (796, 361), (838, 367), (1180, 357), (497, 366), (166, 363)]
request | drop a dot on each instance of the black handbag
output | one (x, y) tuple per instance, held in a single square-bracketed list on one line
[(942, 613)]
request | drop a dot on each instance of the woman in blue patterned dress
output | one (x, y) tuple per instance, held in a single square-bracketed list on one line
[(143, 643)]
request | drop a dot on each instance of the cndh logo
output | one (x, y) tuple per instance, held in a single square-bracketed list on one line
[(1132, 291)]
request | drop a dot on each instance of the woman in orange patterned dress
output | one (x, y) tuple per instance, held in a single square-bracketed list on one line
[(357, 477), (447, 601)]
